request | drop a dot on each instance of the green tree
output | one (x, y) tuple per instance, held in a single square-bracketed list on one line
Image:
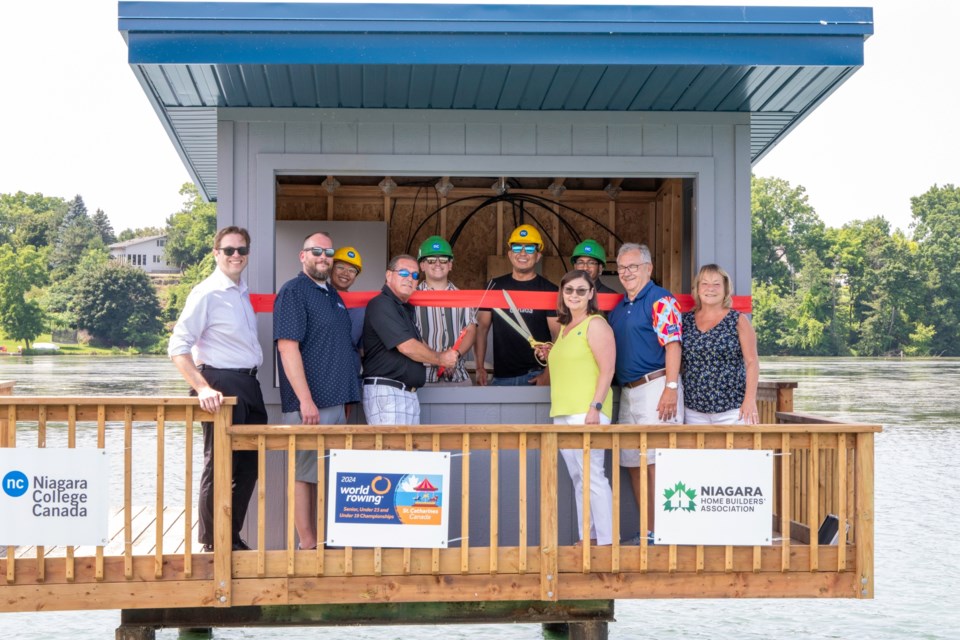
[(30, 219), (177, 294), (784, 228), (74, 236), (117, 304), (102, 224), (936, 229), (21, 271), (190, 232), (139, 232)]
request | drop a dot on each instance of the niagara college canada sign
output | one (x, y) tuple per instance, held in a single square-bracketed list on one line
[(54, 497), (714, 497)]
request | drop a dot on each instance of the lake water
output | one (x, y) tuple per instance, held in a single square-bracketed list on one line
[(917, 518)]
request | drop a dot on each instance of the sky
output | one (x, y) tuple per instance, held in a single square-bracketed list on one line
[(74, 119)]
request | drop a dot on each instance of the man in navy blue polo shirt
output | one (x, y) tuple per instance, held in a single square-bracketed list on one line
[(319, 366), (646, 326), (393, 350)]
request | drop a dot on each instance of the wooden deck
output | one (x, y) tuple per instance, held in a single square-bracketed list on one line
[(826, 468)]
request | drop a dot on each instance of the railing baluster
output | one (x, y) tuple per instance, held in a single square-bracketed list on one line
[(222, 508), (785, 506), (261, 505), (585, 490), (842, 502), (465, 506), (615, 457), (435, 555), (701, 442), (127, 491), (728, 550), (813, 499), (101, 444), (407, 446), (494, 500), (672, 549), (864, 504), (522, 504), (757, 550), (348, 551), (161, 435), (188, 493), (321, 502), (41, 444), (70, 564), (378, 551), (642, 500), (291, 503), (10, 442), (549, 574)]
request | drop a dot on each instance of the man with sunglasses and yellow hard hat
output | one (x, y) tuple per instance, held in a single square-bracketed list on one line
[(514, 361), (393, 351), (444, 328)]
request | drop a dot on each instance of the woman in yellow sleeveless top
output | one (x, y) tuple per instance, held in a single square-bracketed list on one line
[(581, 369)]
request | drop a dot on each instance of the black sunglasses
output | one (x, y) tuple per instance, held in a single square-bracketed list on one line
[(320, 251), (229, 251)]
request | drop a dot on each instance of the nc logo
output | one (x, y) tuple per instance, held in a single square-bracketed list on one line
[(15, 484)]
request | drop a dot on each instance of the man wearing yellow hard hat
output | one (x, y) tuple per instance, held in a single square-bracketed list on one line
[(514, 361)]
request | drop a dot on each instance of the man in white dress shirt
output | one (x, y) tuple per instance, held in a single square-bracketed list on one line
[(215, 347)]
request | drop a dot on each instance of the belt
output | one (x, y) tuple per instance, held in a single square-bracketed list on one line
[(247, 372), (647, 378), (388, 382)]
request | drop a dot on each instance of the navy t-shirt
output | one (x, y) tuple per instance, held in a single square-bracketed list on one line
[(316, 317)]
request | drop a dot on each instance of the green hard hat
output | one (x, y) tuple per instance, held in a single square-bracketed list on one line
[(434, 246), (589, 249)]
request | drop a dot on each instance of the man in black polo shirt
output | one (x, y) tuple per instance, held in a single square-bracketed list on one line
[(393, 351)]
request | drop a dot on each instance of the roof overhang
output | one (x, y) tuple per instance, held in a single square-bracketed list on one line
[(775, 63)]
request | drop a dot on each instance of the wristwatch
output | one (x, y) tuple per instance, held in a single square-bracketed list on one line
[(672, 385), (598, 406)]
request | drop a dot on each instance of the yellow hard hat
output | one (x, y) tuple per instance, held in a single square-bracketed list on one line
[(350, 256), (526, 234)]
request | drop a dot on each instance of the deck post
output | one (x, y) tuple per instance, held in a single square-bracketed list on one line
[(549, 527), (222, 507), (864, 526)]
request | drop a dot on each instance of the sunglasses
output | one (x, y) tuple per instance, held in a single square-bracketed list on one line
[(406, 273), (580, 291), (320, 251), (229, 251), (440, 260), (526, 248)]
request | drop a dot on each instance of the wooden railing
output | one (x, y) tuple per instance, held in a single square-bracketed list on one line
[(152, 563)]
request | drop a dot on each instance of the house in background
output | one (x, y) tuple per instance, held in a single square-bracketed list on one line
[(144, 253)]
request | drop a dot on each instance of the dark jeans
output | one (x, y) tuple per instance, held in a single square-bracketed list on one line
[(516, 381), (248, 410)]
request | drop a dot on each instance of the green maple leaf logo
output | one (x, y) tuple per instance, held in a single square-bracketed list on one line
[(680, 498)]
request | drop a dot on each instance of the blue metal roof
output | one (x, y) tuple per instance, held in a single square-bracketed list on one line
[(775, 63)]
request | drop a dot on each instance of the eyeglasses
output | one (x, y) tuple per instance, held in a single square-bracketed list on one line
[(406, 273), (585, 262), (526, 248), (437, 260), (320, 251), (632, 268), (580, 291), (345, 267), (229, 251)]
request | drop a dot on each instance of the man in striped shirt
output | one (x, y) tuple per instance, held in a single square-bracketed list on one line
[(442, 326)]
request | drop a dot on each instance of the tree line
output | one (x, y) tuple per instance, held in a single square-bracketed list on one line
[(56, 272), (861, 289)]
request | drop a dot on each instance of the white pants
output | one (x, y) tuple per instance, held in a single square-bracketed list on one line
[(639, 406), (724, 417), (387, 405), (601, 496)]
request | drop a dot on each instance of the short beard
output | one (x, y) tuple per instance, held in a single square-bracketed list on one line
[(316, 275)]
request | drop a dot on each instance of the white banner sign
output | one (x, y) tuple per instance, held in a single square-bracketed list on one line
[(713, 497), (54, 497), (388, 499)]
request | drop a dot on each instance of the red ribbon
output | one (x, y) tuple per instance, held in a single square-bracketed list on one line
[(545, 300)]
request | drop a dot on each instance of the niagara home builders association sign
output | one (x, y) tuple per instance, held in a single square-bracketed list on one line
[(54, 497), (714, 497)]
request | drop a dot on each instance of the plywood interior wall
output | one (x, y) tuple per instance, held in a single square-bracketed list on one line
[(648, 211)]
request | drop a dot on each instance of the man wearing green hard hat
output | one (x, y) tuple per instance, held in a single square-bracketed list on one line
[(443, 328), (589, 256)]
